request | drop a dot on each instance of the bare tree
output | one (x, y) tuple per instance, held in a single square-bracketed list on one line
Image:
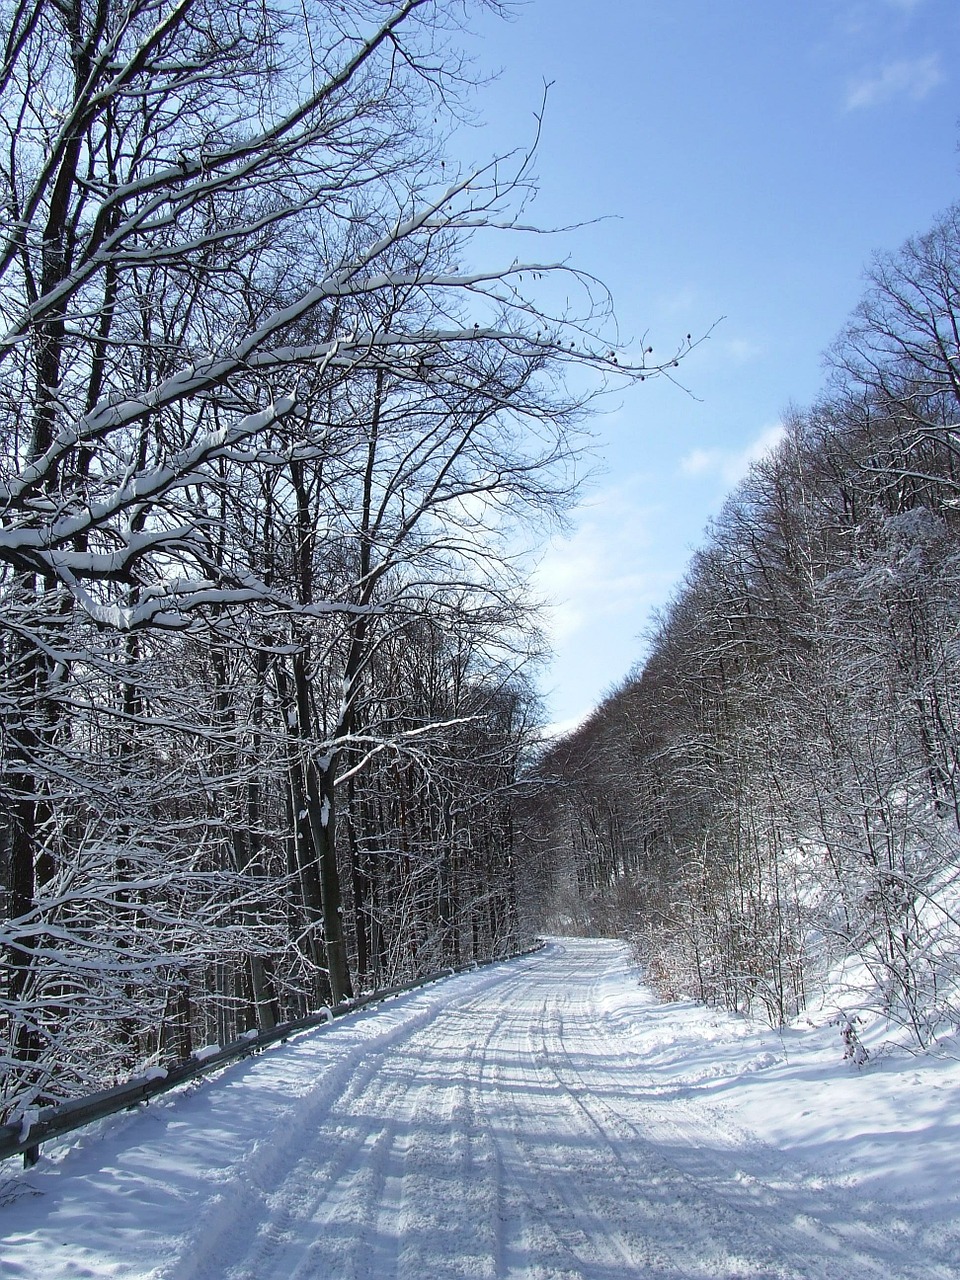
[(258, 408)]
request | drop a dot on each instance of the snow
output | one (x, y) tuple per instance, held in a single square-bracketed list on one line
[(155, 1072), (204, 1052), (29, 1118), (542, 1119)]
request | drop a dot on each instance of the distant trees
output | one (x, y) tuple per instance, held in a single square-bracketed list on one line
[(267, 437), (778, 785)]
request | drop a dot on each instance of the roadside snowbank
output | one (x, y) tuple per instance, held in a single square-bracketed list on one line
[(889, 1127)]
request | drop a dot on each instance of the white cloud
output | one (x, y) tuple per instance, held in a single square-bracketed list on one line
[(728, 464), (700, 461), (683, 301), (604, 569), (601, 584), (913, 78), (561, 728), (741, 350)]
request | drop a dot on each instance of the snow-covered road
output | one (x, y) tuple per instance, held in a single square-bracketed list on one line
[(509, 1123)]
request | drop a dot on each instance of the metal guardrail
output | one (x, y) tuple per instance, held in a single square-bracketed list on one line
[(24, 1136)]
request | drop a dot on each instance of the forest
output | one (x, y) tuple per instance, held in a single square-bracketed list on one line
[(275, 443), (770, 801), (287, 397)]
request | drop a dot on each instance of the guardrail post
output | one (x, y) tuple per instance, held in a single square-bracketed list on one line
[(31, 1156)]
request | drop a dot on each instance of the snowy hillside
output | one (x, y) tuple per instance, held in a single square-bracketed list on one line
[(543, 1118)]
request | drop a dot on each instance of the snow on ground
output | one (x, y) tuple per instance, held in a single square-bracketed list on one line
[(543, 1119)]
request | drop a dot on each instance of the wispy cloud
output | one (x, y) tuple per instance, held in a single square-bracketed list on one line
[(602, 582), (560, 728), (683, 301), (740, 350), (606, 568), (731, 465), (912, 78)]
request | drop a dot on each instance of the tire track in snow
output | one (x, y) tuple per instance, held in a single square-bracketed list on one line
[(409, 1193), (697, 1231), (599, 1211), (780, 1219), (498, 1126), (552, 1220), (268, 1208)]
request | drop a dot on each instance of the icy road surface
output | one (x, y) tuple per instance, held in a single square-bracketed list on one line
[(544, 1119)]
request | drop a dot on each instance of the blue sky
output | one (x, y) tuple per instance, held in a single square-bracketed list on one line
[(749, 157)]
